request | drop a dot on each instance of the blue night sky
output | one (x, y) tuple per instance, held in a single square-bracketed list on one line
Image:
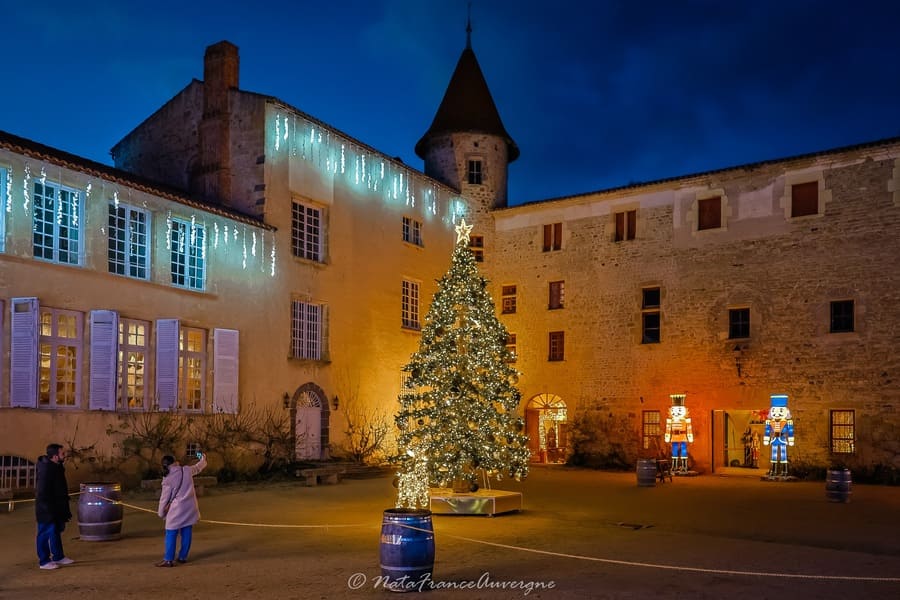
[(596, 94)]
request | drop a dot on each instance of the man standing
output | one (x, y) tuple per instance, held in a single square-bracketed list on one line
[(51, 508)]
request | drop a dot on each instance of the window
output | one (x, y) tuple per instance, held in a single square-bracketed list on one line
[(134, 348), (650, 316), (805, 199), (412, 231), (5, 201), (709, 213), (476, 245), (650, 429), (552, 237), (843, 431), (307, 330), (128, 250), (557, 291), (474, 172), (192, 368), (409, 305), (508, 299), (738, 323), (557, 345), (188, 243), (511, 347), (57, 223), (842, 316), (59, 357), (306, 231), (625, 225)]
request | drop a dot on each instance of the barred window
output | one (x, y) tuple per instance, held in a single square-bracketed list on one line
[(306, 232), (409, 305), (57, 225), (188, 246), (306, 330), (843, 431), (650, 429), (128, 248)]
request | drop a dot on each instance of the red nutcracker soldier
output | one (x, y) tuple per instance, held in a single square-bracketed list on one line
[(679, 432), (779, 434)]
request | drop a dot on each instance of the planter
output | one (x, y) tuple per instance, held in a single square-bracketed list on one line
[(407, 548), (100, 512)]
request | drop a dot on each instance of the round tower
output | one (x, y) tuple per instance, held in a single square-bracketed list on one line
[(467, 146)]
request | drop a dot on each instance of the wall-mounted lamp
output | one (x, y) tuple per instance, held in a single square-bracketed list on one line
[(738, 357), (335, 403), (286, 400)]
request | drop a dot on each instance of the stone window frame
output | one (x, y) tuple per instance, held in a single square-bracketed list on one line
[(628, 217), (731, 311), (842, 443), (693, 215), (508, 299), (800, 177), (475, 160)]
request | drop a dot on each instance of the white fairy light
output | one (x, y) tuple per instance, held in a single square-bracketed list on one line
[(74, 216), (272, 255), (225, 231), (193, 230), (215, 236), (277, 133), (25, 183), (253, 248), (8, 190), (116, 199), (343, 159), (244, 258), (285, 128), (168, 230)]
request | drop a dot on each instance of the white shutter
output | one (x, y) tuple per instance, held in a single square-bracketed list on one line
[(167, 364), (24, 352), (225, 370), (104, 351)]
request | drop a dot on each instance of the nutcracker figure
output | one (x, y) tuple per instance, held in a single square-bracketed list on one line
[(779, 434), (679, 432)]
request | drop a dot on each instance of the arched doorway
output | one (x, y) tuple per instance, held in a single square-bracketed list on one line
[(310, 422), (546, 422)]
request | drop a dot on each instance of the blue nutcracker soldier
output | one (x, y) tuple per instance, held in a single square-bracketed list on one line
[(779, 434)]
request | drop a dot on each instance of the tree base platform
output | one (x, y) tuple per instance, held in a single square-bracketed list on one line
[(444, 501)]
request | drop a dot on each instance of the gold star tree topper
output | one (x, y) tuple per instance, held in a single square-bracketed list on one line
[(462, 231)]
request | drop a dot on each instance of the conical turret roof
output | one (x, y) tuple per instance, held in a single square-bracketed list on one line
[(467, 107)]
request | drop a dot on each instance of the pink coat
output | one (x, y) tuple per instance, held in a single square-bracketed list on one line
[(179, 495)]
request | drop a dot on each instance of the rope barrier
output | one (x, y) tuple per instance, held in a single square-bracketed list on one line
[(612, 561)]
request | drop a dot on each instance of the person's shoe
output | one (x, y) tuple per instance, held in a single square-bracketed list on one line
[(64, 561), (165, 563), (181, 561), (49, 565)]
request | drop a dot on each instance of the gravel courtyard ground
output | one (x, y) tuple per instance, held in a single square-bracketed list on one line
[(588, 534)]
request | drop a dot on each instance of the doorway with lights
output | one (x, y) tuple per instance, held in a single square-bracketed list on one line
[(737, 442), (310, 423), (546, 423)]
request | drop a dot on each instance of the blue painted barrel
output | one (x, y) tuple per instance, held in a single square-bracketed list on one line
[(407, 546), (100, 512), (837, 485)]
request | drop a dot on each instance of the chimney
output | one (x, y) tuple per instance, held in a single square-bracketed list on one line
[(212, 177)]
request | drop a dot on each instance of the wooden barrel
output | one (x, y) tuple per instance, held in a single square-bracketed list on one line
[(407, 548), (646, 472), (837, 485), (100, 512)]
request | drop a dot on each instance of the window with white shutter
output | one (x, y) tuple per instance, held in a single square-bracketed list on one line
[(225, 370), (60, 349), (104, 335), (167, 364), (23, 353)]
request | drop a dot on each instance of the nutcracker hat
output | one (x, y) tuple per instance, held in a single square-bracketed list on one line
[(779, 400), (677, 399)]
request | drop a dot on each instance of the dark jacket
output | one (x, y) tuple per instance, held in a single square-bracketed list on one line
[(51, 502)]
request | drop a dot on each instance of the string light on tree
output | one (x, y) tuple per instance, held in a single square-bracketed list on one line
[(459, 409)]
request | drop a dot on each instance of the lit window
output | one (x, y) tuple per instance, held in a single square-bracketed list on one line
[(409, 305), (557, 345), (128, 250), (474, 172), (738, 323), (412, 231), (511, 347), (508, 299), (306, 232), (650, 316), (192, 368), (650, 429), (307, 340), (57, 225), (709, 213), (626, 223), (552, 237), (188, 264), (557, 293), (843, 431), (134, 348), (842, 316), (59, 358)]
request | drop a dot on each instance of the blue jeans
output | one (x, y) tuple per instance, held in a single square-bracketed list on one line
[(171, 537), (49, 542)]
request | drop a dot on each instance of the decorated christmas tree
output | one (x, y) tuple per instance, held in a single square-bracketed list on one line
[(458, 414)]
